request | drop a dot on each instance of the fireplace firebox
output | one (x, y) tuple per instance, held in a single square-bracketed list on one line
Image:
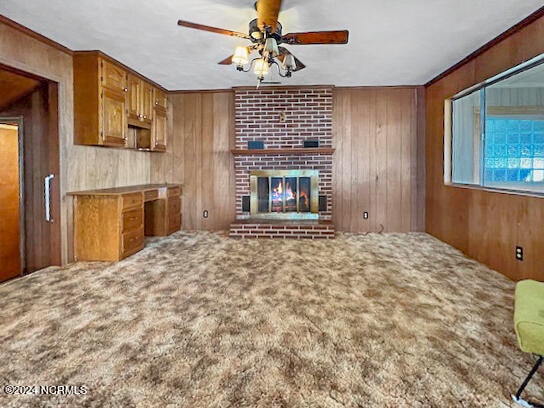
[(284, 194)]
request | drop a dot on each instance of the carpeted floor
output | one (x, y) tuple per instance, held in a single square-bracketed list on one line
[(201, 320)]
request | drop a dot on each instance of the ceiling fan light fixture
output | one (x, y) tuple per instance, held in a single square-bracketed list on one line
[(267, 39), (261, 67), (241, 56), (271, 46)]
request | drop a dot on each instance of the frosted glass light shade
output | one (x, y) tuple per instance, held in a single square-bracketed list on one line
[(240, 56), (289, 62), (271, 46), (260, 68)]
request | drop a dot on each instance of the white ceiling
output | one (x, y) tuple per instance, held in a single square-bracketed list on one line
[(392, 42)]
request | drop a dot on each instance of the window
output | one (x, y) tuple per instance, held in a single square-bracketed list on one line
[(497, 133), (514, 150)]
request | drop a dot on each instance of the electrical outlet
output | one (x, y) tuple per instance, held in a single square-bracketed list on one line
[(365, 215), (519, 253), (205, 214)]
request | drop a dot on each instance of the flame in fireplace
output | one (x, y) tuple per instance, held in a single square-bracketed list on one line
[(289, 192), (277, 192)]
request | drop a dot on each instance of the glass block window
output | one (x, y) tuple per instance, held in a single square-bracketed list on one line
[(514, 150)]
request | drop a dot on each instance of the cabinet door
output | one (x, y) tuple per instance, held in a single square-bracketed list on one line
[(113, 77), (174, 214), (146, 108), (158, 130), (114, 119), (133, 96), (160, 98)]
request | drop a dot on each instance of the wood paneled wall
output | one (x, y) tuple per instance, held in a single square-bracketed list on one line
[(199, 157), (376, 168), (485, 225), (379, 161)]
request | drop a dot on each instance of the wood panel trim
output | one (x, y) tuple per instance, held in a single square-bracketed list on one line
[(31, 33), (54, 168), (220, 90), (490, 44), (377, 87), (191, 91)]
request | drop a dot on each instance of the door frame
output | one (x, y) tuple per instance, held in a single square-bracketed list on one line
[(50, 123)]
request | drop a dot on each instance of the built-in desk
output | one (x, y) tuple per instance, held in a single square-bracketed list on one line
[(110, 224)]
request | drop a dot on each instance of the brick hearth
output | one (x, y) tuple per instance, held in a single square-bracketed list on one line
[(282, 229), (283, 118)]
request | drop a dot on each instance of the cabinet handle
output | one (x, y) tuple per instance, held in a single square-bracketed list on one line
[(125, 89)]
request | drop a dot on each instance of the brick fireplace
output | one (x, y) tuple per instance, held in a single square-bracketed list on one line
[(279, 132)]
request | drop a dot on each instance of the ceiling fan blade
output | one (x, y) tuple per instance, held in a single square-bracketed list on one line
[(317, 37), (203, 27), (226, 61), (267, 13), (284, 51)]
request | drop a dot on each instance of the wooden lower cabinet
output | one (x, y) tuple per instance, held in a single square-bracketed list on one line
[(163, 217), (110, 224), (174, 212), (108, 228)]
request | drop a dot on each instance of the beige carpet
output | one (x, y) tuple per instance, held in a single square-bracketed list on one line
[(201, 320)]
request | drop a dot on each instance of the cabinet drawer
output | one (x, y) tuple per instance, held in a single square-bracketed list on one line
[(132, 200), (133, 219), (132, 242), (174, 205), (151, 195), (173, 191)]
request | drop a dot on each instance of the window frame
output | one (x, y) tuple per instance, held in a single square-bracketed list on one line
[(479, 128)]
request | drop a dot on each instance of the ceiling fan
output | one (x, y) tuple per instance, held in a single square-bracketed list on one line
[(265, 34)]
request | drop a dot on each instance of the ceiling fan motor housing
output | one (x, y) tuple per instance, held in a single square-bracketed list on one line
[(256, 34)]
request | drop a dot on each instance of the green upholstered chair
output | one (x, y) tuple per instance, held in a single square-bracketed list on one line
[(529, 325)]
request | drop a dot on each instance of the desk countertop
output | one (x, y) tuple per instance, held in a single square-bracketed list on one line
[(124, 190)]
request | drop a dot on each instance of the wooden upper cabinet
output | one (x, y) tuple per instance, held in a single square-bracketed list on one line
[(113, 76), (99, 101), (147, 101), (133, 96), (114, 106), (139, 101), (114, 119), (160, 98), (158, 130)]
